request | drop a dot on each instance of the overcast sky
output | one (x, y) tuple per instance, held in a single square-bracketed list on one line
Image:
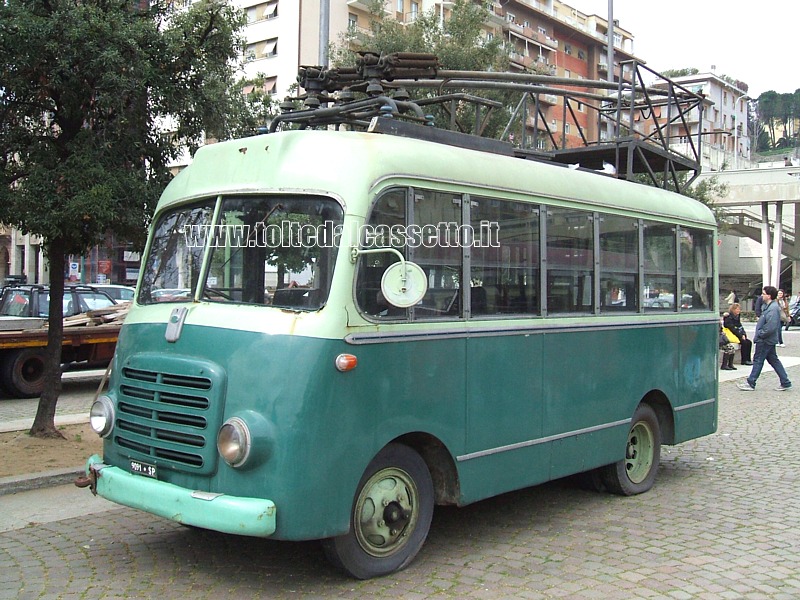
[(755, 42)]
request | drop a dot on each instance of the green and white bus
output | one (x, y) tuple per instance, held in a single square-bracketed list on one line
[(335, 331)]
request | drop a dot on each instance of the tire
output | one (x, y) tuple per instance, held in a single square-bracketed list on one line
[(636, 473), (23, 372), (390, 518)]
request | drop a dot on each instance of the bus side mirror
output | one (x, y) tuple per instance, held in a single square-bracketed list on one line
[(403, 283)]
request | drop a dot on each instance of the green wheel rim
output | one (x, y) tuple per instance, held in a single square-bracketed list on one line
[(386, 512), (639, 453)]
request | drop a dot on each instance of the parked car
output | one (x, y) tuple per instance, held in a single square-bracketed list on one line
[(120, 293), (34, 300)]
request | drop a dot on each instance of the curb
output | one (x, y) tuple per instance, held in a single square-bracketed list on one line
[(25, 424), (24, 483)]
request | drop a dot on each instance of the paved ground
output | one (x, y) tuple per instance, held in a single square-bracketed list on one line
[(723, 521)]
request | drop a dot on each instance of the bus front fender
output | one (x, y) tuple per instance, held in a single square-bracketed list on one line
[(219, 512)]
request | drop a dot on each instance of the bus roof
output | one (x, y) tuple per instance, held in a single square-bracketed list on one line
[(348, 163)]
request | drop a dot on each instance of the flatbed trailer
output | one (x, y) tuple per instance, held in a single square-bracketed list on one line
[(22, 354)]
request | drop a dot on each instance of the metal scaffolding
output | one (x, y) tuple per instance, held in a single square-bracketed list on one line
[(629, 130)]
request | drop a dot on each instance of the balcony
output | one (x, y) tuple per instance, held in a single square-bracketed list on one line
[(363, 5)]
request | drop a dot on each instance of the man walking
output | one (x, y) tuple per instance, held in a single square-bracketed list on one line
[(765, 339)]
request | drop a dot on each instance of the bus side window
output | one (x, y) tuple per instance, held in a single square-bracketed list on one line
[(619, 263), (439, 253), (570, 260), (389, 210)]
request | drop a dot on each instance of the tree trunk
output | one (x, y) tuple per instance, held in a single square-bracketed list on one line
[(44, 424)]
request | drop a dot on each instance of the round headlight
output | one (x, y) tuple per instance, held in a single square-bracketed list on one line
[(233, 442), (101, 416)]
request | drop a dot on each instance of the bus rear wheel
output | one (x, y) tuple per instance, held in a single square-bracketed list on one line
[(636, 473), (23, 372), (391, 516)]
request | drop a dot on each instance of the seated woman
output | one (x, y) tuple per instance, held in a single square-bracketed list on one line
[(733, 322)]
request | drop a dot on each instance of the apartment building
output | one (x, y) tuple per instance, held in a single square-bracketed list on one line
[(553, 38), (723, 127), (547, 37)]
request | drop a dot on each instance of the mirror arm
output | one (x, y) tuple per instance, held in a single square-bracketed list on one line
[(354, 253)]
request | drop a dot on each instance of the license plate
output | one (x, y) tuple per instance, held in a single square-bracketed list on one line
[(141, 468)]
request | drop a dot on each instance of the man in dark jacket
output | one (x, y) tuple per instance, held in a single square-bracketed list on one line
[(758, 305), (765, 339)]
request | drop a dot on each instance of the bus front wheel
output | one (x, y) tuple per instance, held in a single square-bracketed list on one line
[(636, 473), (391, 516)]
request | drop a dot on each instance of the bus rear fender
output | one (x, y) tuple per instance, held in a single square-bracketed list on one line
[(440, 464), (666, 419)]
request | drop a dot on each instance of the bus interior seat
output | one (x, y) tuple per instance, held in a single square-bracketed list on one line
[(478, 301)]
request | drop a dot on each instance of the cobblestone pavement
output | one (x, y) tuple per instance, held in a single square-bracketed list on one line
[(77, 395), (723, 521)]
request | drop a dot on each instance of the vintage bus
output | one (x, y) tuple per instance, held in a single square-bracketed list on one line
[(335, 331)]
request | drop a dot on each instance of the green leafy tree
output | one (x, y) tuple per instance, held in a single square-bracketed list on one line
[(86, 89), (672, 73), (768, 111)]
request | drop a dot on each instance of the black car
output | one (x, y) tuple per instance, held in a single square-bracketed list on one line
[(34, 300)]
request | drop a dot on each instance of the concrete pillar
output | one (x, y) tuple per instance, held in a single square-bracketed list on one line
[(777, 246), (796, 263), (765, 244)]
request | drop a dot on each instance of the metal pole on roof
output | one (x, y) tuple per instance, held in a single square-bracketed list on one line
[(324, 31), (611, 40), (610, 51)]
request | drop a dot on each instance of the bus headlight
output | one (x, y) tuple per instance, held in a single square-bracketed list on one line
[(234, 442), (101, 416)]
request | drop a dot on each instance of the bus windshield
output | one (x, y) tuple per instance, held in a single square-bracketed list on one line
[(267, 250)]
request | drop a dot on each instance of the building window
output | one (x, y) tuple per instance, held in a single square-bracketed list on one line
[(566, 128), (510, 17), (581, 55), (352, 21), (401, 6), (414, 9), (260, 12), (568, 49), (542, 30), (269, 88), (263, 49), (567, 73)]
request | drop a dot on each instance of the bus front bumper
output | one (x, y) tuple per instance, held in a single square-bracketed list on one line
[(220, 512)]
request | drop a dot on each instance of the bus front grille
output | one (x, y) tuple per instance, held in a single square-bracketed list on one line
[(168, 412)]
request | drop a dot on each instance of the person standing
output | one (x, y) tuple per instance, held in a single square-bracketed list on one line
[(765, 339), (732, 321), (758, 305), (731, 298), (784, 306)]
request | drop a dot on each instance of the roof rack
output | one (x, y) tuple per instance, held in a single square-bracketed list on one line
[(632, 128)]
